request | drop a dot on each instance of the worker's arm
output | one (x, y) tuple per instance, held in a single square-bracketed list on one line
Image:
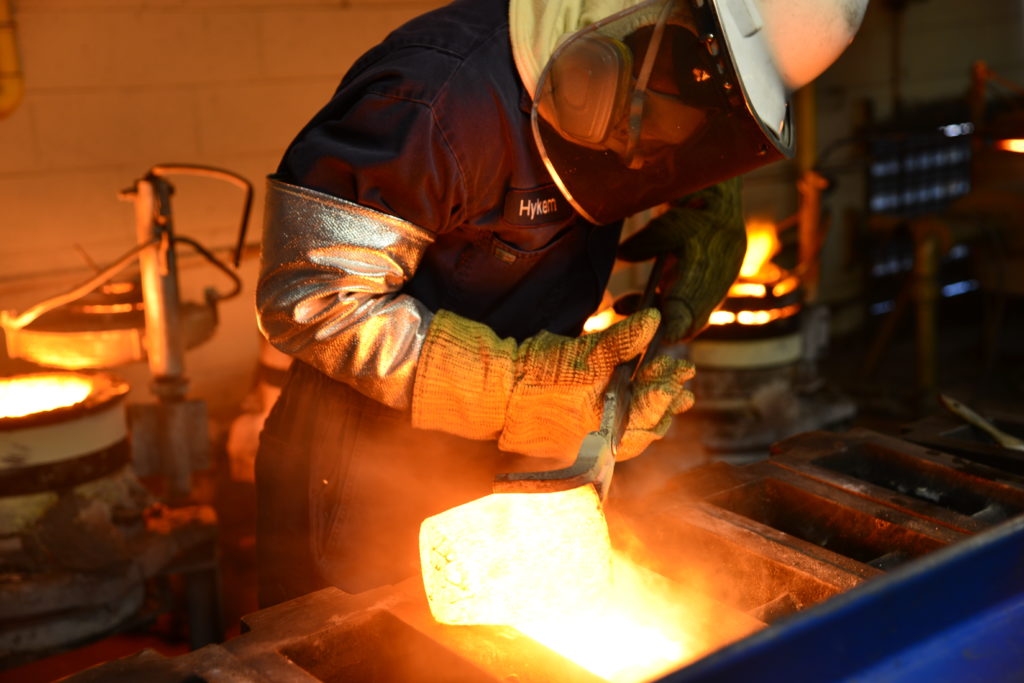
[(328, 290), (330, 294), (359, 195)]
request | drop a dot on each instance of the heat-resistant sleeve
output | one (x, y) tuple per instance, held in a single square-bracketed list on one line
[(328, 291)]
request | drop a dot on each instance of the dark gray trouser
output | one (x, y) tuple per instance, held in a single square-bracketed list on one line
[(343, 483)]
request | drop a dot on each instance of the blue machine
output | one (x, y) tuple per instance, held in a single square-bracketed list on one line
[(954, 615)]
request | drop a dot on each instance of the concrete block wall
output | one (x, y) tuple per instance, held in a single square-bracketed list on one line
[(113, 87)]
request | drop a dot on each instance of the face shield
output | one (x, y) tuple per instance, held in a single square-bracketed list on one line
[(657, 101)]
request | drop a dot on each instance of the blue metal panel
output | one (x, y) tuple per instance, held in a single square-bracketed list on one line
[(954, 615), (987, 648)]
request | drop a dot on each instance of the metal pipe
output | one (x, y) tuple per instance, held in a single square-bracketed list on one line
[(931, 241), (219, 174), (159, 278), (170, 437), (17, 322), (809, 185)]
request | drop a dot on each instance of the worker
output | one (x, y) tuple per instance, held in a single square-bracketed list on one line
[(436, 236)]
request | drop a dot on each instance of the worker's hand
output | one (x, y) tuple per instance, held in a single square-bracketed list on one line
[(658, 395), (705, 233), (540, 397)]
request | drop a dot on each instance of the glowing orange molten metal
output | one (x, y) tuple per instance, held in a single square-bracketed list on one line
[(486, 561), (543, 564), (26, 394)]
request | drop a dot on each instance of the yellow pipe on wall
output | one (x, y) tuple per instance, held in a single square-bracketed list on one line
[(809, 185), (12, 81)]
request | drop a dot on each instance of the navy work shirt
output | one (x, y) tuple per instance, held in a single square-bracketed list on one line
[(433, 126)]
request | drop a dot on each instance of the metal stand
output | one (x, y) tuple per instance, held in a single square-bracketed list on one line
[(170, 437)]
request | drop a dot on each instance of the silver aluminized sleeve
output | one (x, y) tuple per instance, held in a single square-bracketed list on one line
[(327, 293)]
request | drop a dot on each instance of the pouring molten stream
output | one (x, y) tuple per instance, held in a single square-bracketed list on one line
[(22, 395), (543, 564)]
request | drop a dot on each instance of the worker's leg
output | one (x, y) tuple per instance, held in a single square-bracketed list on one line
[(343, 483)]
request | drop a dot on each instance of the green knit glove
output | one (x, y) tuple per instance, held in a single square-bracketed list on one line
[(705, 233), (658, 395), (540, 397)]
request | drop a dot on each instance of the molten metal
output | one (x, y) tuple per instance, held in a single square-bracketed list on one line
[(26, 394), (507, 558), (543, 564)]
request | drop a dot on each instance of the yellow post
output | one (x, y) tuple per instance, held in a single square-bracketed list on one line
[(12, 81)]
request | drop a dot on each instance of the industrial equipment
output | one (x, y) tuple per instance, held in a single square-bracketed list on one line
[(845, 555), (83, 543)]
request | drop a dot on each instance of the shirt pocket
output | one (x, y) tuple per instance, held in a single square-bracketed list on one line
[(516, 280)]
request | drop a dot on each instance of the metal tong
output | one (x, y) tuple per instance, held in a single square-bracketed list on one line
[(971, 417), (595, 459)]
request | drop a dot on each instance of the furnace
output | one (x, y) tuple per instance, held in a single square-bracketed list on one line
[(81, 538), (86, 549), (757, 378), (60, 429)]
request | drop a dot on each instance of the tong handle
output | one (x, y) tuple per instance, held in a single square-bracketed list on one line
[(619, 392)]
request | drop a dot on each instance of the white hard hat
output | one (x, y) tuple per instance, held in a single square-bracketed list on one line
[(665, 97), (804, 36)]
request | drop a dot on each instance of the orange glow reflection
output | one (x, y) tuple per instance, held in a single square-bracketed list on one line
[(1011, 145), (786, 286), (760, 317), (111, 308), (758, 276), (722, 318), (754, 289), (26, 394), (601, 320), (762, 244), (117, 287)]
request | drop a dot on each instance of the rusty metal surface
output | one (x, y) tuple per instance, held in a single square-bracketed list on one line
[(386, 634), (922, 482), (64, 474), (380, 635), (748, 568), (860, 529), (955, 615)]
